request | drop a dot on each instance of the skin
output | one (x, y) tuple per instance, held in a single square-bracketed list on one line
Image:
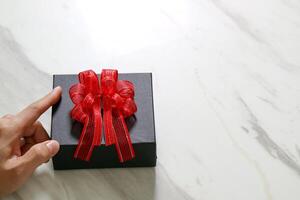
[(24, 143)]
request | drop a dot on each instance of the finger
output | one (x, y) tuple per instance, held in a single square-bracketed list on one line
[(15, 149), (32, 112), (18, 147), (8, 116), (29, 142), (37, 132), (33, 135), (38, 154)]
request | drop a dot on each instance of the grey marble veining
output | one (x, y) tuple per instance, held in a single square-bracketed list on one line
[(226, 78)]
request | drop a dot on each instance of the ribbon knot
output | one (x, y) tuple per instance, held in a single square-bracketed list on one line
[(116, 99)]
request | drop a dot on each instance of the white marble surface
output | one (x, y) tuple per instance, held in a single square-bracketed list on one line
[(226, 88)]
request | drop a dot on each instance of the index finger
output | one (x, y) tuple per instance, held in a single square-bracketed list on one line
[(32, 112)]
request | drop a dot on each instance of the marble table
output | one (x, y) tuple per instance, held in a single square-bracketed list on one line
[(226, 91)]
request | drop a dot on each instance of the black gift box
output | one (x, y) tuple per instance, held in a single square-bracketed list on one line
[(141, 128)]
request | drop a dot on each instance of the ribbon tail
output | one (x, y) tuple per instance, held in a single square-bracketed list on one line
[(108, 127), (91, 133), (85, 145), (123, 142), (97, 122)]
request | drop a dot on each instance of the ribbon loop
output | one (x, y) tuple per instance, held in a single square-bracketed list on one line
[(116, 97), (90, 80), (109, 79), (125, 89), (129, 107)]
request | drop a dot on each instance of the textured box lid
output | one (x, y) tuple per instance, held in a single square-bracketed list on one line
[(141, 127)]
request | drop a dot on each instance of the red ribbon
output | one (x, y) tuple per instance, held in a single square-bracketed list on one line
[(116, 98)]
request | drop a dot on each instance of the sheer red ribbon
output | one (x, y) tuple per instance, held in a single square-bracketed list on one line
[(116, 99)]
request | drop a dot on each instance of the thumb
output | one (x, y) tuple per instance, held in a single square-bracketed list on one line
[(40, 153)]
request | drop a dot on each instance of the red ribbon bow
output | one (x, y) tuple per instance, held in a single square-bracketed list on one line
[(115, 97)]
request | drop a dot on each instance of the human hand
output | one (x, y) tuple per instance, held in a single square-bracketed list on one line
[(24, 143)]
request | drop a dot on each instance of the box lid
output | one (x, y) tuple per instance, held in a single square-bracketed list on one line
[(141, 127)]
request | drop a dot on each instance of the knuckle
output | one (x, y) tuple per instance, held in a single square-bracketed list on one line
[(15, 123), (7, 124), (8, 116), (16, 170)]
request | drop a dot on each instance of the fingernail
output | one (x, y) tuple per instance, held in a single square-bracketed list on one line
[(53, 147), (56, 88)]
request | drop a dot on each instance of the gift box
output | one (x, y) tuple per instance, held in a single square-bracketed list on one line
[(141, 128)]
